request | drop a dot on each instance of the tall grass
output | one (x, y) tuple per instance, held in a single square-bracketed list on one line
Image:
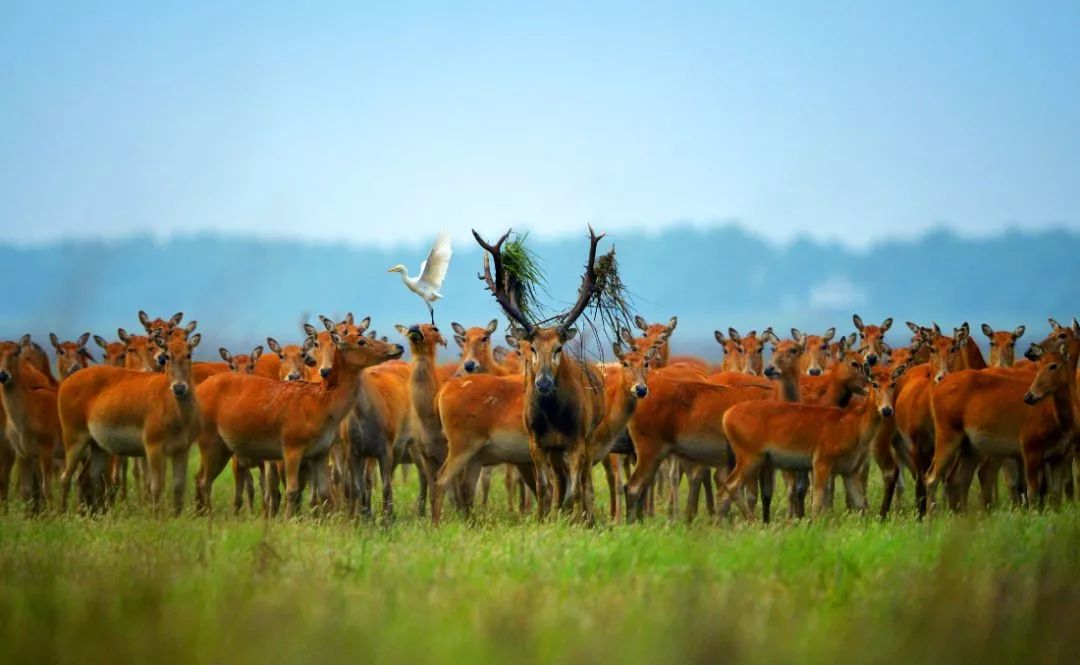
[(132, 587)]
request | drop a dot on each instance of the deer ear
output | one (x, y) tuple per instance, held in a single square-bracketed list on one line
[(857, 320), (1018, 333), (274, 346), (625, 335), (987, 330), (327, 322), (512, 341), (568, 334), (309, 344), (349, 318), (336, 338), (640, 322), (309, 330), (225, 355), (256, 353), (719, 336), (914, 327), (194, 340), (886, 324), (674, 321), (519, 334), (364, 323), (55, 341), (122, 334), (795, 334), (24, 341), (617, 350), (457, 328), (499, 353), (401, 329), (492, 326), (460, 341), (83, 339), (176, 319), (734, 334), (144, 319), (100, 341), (829, 334), (899, 371)]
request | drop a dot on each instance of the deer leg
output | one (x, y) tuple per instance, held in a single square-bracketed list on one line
[(386, 474), (179, 479), (75, 444), (456, 460), (822, 478), (650, 455), (155, 461), (611, 472), (294, 458), (238, 472), (745, 467), (213, 456), (7, 462), (1033, 469), (485, 485), (959, 481)]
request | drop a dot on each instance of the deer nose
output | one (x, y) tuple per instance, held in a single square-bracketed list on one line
[(324, 372), (871, 358), (180, 389), (293, 376), (772, 372), (1030, 399), (815, 371), (887, 412), (938, 377), (161, 359), (544, 384), (4, 376), (641, 390), (1030, 354), (470, 366)]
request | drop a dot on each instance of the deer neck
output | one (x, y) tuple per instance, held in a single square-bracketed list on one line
[(342, 386), (424, 383), (837, 392), (973, 357), (870, 418), (492, 366), (787, 390), (621, 405)]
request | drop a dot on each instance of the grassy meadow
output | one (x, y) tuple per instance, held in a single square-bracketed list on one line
[(130, 587)]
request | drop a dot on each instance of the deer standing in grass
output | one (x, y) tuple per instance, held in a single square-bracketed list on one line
[(293, 421), (123, 412), (32, 427), (823, 439), (564, 397)]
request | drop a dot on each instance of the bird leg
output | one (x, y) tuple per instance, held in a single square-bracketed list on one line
[(431, 311)]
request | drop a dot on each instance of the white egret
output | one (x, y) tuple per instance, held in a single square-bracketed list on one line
[(432, 273)]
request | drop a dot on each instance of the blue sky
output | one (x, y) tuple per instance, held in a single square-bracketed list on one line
[(381, 123)]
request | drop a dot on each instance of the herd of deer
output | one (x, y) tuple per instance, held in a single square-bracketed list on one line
[(341, 406)]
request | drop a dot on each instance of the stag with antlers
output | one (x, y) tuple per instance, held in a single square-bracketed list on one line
[(564, 396)]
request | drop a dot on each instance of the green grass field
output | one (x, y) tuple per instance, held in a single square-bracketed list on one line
[(129, 587)]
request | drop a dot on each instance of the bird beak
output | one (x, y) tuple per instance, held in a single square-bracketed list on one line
[(390, 270)]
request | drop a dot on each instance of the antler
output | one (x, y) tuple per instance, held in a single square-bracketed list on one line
[(499, 284), (588, 284)]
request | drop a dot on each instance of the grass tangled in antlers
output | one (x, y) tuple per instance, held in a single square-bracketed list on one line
[(610, 306)]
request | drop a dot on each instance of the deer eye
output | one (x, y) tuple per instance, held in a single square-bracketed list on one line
[(1053, 365), (824, 347), (485, 338), (625, 364), (361, 342)]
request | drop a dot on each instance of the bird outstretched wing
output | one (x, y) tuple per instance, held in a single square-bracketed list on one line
[(433, 271)]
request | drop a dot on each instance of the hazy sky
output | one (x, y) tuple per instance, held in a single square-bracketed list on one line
[(384, 123)]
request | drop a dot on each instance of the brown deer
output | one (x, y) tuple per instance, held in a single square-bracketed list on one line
[(564, 398), (873, 345), (32, 427)]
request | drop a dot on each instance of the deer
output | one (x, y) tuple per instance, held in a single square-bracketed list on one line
[(733, 353), (294, 361), (71, 356), (1003, 416), (1002, 345), (117, 411), (564, 398), (872, 338), (914, 420), (479, 357), (241, 468), (262, 419), (113, 353), (35, 356), (826, 440), (815, 359), (32, 427)]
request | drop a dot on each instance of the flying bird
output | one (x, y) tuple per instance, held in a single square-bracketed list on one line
[(432, 273)]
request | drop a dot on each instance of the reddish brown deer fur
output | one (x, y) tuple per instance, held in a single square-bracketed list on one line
[(124, 412), (263, 419), (1002, 345), (1001, 417), (872, 338), (71, 356), (799, 437), (32, 427), (815, 359)]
